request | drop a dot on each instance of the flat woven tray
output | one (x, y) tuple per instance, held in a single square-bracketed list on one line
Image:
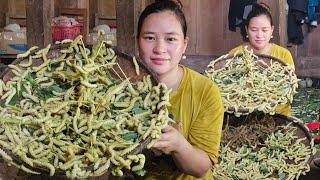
[(126, 68), (228, 64), (241, 134)]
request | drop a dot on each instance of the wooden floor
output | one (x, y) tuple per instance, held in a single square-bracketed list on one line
[(308, 67), (197, 62)]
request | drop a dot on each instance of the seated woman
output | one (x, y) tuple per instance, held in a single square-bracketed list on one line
[(189, 148), (259, 27)]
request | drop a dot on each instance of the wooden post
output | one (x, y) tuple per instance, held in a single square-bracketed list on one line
[(3, 12), (127, 12), (93, 10), (39, 14), (282, 23)]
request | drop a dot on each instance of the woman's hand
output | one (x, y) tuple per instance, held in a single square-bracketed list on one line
[(171, 139), (189, 159)]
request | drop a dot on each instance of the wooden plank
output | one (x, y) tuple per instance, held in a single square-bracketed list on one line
[(313, 41), (93, 9), (190, 9), (198, 62), (210, 28), (4, 6), (3, 11), (282, 23), (58, 4), (17, 7), (308, 67), (85, 4), (106, 8), (39, 14), (127, 12), (16, 12), (231, 39)]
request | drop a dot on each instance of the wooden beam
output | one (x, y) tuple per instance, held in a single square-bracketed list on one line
[(85, 4), (39, 14), (127, 12), (3, 12), (93, 10), (282, 23)]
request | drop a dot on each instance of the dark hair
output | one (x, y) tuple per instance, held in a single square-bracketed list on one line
[(259, 9), (160, 6)]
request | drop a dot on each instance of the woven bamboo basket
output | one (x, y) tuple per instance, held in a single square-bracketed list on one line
[(127, 67), (241, 110)]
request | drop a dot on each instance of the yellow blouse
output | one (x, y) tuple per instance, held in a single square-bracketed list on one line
[(197, 104), (282, 54)]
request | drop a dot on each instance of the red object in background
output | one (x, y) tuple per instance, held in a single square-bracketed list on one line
[(313, 126), (60, 32), (316, 139), (112, 26)]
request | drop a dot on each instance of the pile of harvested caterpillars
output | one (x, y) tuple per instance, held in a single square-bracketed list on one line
[(72, 115), (266, 147), (249, 82), (259, 146)]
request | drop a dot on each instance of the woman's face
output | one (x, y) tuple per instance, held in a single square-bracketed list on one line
[(161, 42), (259, 32)]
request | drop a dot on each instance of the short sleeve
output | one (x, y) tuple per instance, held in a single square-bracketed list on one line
[(205, 131)]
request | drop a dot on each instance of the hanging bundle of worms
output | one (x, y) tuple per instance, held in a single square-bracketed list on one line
[(248, 82), (70, 114)]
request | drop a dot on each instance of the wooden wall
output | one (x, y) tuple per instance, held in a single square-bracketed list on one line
[(209, 34), (3, 10), (206, 21), (106, 9), (311, 45), (307, 55), (208, 26), (16, 8)]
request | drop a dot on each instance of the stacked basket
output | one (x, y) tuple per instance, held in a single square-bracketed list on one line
[(257, 144)]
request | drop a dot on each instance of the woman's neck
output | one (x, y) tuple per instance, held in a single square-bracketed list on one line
[(172, 78), (265, 50)]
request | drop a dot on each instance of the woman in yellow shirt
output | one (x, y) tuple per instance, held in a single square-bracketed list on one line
[(259, 27), (191, 148)]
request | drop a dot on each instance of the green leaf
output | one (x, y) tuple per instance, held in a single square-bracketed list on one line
[(14, 100), (130, 136), (141, 172), (43, 93), (264, 169), (22, 89), (57, 88), (282, 175), (29, 78), (137, 109)]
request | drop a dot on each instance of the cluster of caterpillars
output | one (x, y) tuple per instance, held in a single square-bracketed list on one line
[(70, 114)]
